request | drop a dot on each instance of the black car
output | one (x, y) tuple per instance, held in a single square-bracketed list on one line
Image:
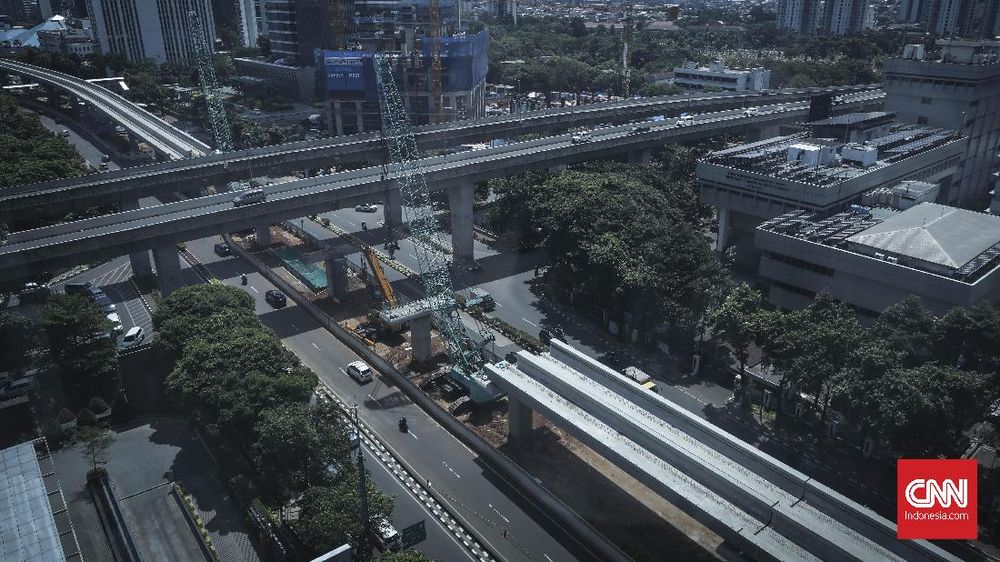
[(223, 249), (275, 298), (78, 288)]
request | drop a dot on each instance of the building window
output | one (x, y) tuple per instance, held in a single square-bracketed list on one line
[(926, 101)]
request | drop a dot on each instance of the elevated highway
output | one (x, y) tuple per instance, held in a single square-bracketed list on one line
[(767, 509), (29, 252), (165, 139), (74, 194)]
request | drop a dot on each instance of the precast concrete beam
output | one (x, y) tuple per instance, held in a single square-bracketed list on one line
[(519, 420), (263, 231), (420, 338), (460, 199), (336, 277), (168, 269)]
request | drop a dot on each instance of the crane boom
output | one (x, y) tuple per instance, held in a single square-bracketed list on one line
[(380, 278), (210, 84), (436, 70), (435, 275)]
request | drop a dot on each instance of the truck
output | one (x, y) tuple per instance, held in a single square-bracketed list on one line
[(641, 378)]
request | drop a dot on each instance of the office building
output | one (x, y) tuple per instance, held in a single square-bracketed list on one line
[(243, 15), (873, 259), (346, 76), (968, 19), (836, 17), (716, 75), (504, 10), (959, 91), (149, 29), (282, 30), (268, 78), (29, 12), (822, 171), (69, 36)]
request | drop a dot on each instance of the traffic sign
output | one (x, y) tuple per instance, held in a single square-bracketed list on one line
[(413, 534)]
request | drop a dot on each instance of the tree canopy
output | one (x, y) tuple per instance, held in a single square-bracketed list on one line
[(32, 153), (78, 335)]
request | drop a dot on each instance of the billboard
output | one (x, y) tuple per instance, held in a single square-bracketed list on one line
[(345, 71)]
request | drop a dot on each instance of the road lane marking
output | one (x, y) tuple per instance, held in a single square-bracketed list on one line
[(529, 321), (317, 348), (374, 399), (413, 435), (497, 511), (498, 304), (547, 557), (258, 292), (452, 470)]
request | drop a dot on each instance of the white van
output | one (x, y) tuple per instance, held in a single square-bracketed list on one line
[(249, 197), (388, 536), (132, 337), (360, 372)]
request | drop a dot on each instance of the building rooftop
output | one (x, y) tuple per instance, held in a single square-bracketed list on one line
[(29, 528), (935, 238), (856, 118), (933, 233), (827, 163)]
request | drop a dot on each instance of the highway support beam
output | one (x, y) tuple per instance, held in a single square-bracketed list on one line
[(141, 266), (722, 237), (336, 277), (519, 419), (168, 269), (392, 210), (263, 230), (644, 156), (420, 338), (460, 200)]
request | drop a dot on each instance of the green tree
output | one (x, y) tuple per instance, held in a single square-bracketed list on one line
[(196, 311), (297, 444), (78, 337), (908, 327), (404, 556), (969, 338), (31, 153), (923, 411), (95, 442), (329, 516), (739, 319), (812, 348), (17, 340)]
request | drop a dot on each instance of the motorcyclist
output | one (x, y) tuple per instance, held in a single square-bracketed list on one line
[(243, 278), (402, 424)]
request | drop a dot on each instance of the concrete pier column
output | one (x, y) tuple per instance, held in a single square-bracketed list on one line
[(722, 238), (141, 266), (420, 338), (392, 210), (336, 277), (460, 201), (338, 119), (263, 230), (644, 156), (168, 269), (519, 418), (359, 116)]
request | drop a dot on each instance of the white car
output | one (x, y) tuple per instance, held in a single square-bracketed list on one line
[(750, 112), (360, 372), (116, 323), (582, 137), (132, 338)]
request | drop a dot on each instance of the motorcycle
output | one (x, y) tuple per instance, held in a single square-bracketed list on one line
[(402, 425), (243, 279), (364, 225)]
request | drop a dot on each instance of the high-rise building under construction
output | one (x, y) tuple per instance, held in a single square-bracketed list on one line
[(441, 69)]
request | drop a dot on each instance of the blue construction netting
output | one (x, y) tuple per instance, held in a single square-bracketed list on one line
[(313, 275)]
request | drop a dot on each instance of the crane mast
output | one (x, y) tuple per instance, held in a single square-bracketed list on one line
[(210, 84), (626, 45), (405, 168), (435, 34)]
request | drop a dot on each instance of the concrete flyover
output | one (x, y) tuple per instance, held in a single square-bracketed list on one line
[(61, 196), (757, 503), (34, 251), (165, 139)]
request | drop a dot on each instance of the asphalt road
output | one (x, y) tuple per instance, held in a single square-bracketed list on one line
[(90, 153), (452, 469)]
